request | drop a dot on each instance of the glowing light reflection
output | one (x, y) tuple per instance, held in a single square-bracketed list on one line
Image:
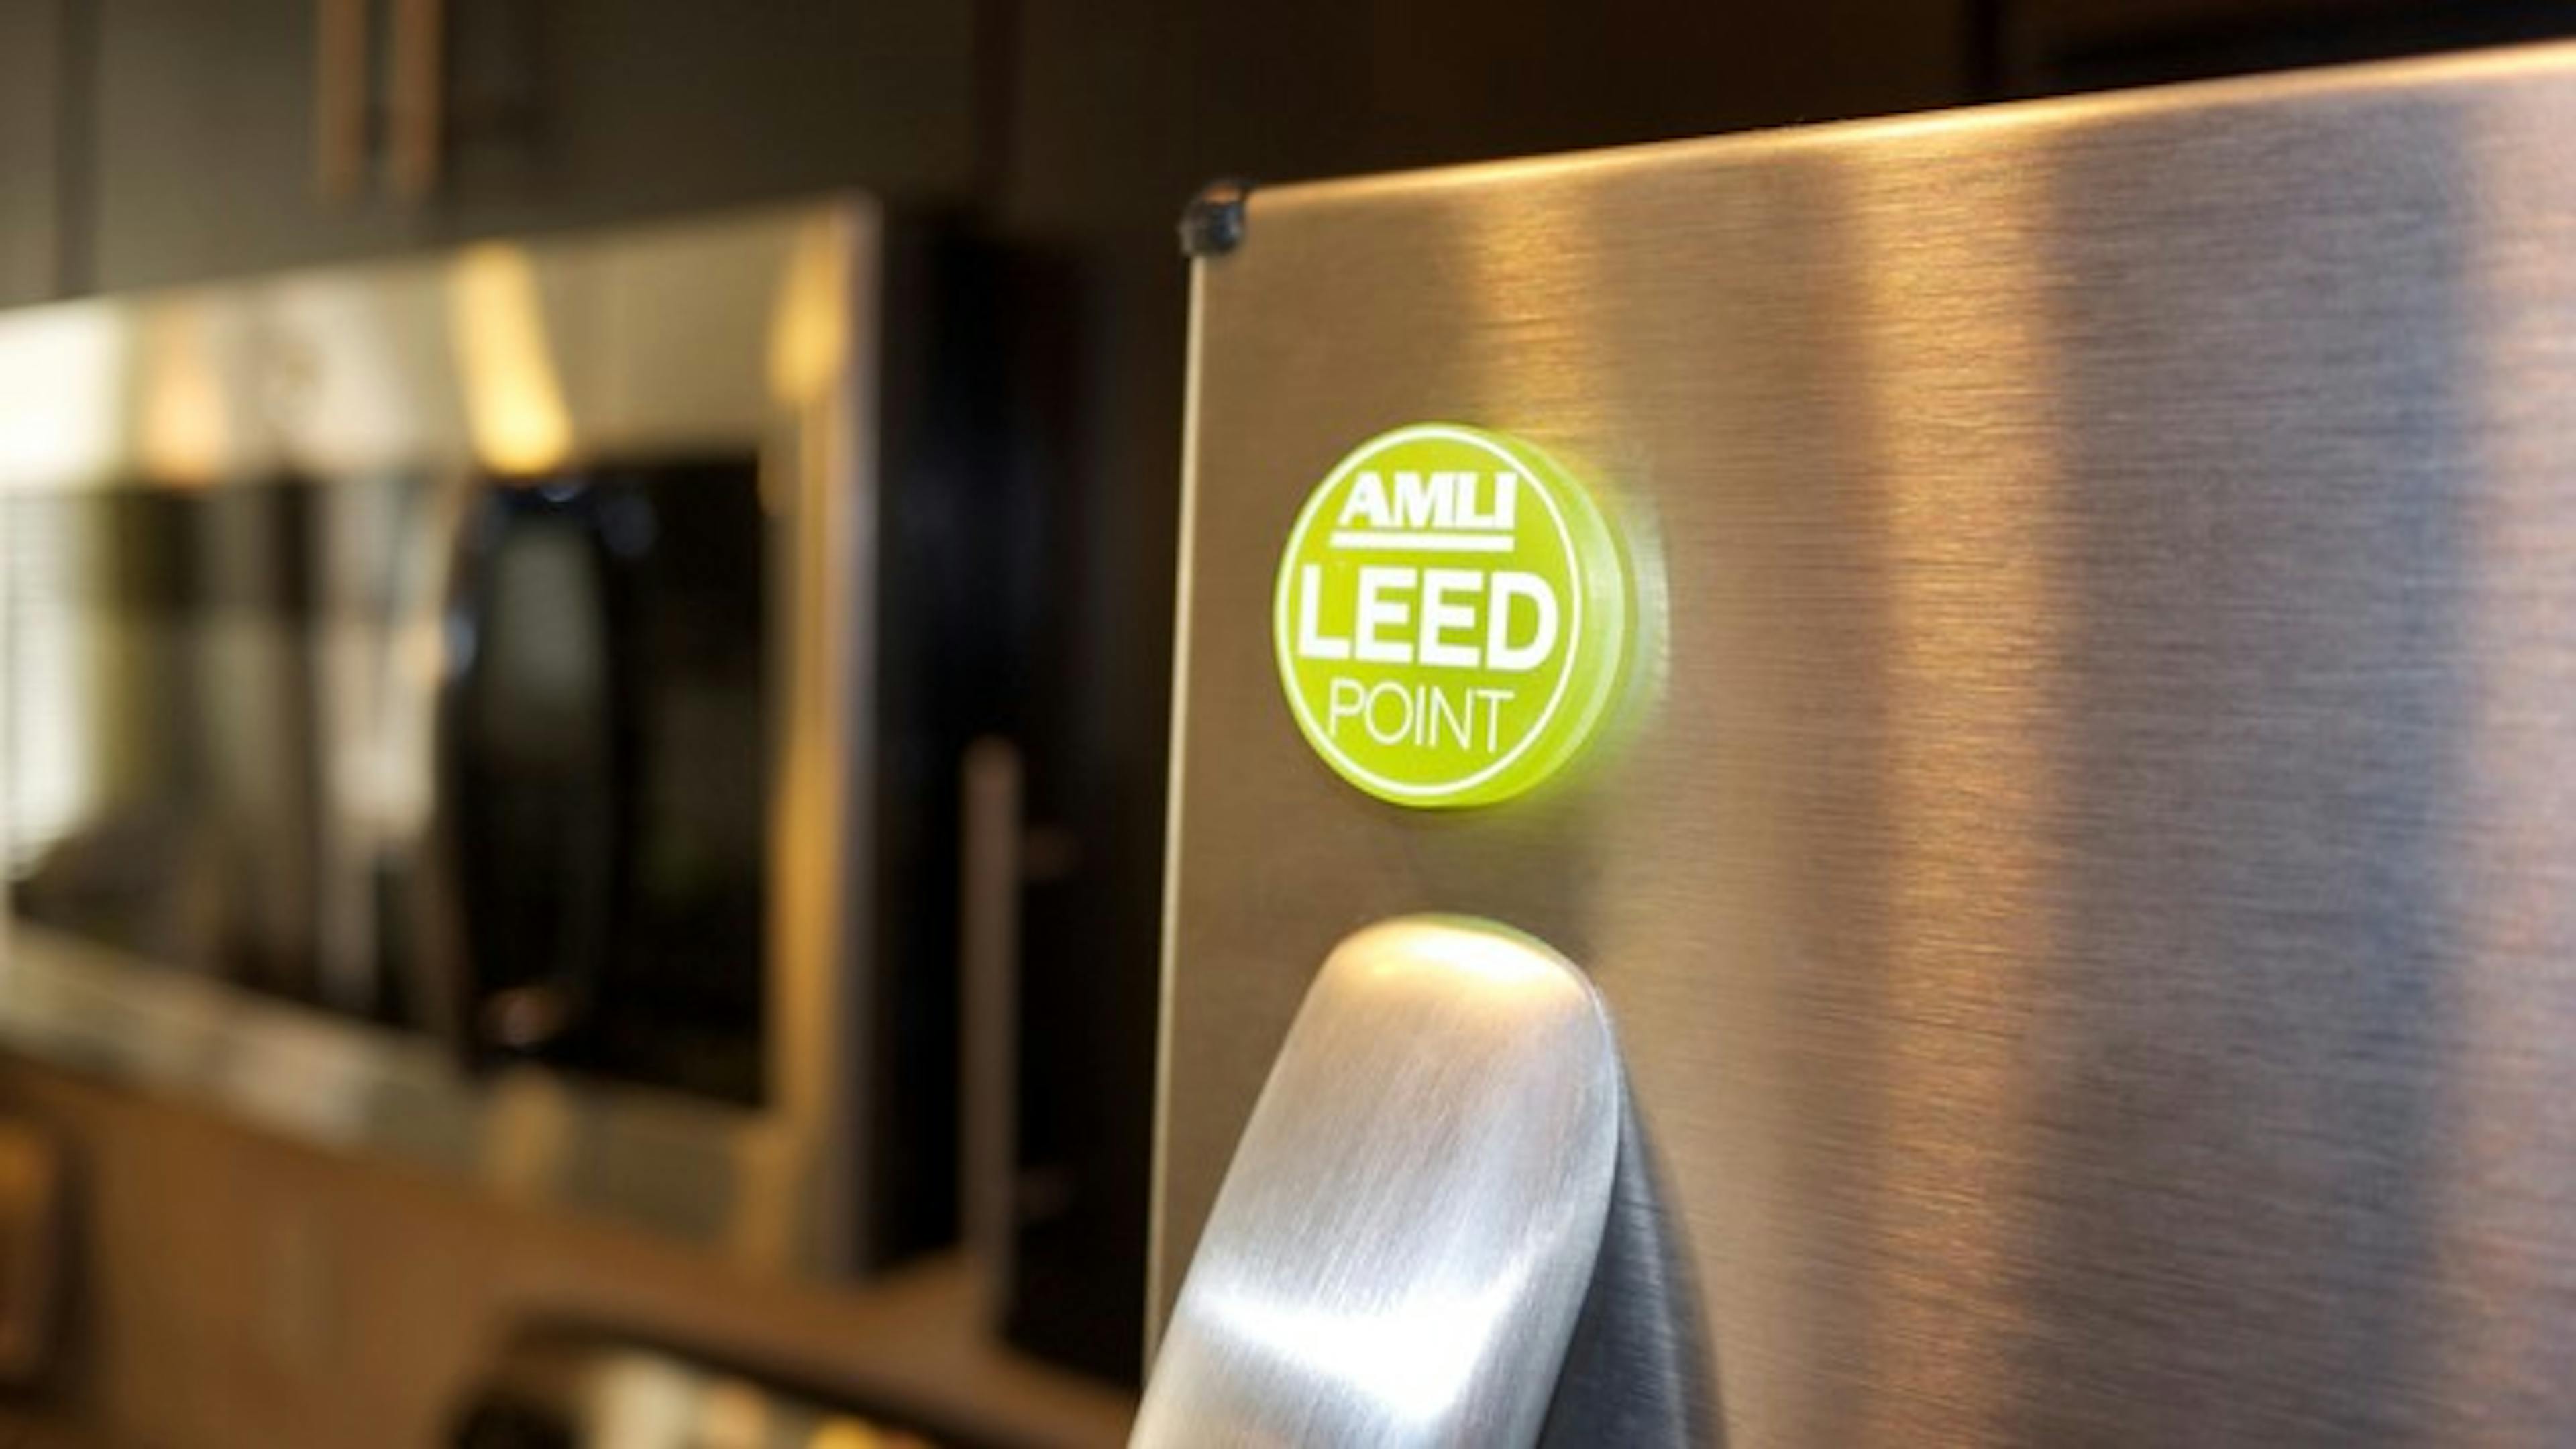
[(187, 433), (809, 332), (60, 417), (1416, 1355), (514, 403)]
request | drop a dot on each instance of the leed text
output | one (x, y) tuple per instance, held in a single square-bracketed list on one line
[(1442, 618)]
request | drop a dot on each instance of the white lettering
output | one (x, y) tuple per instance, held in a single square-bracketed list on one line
[(1367, 502), (1403, 719), (1439, 616), (1393, 712), (1501, 515), (1378, 612), (1312, 641), (1343, 701), (1494, 700), (1422, 502), (1440, 711), (1500, 652)]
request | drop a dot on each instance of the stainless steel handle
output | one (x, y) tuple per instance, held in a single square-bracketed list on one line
[(1403, 1243)]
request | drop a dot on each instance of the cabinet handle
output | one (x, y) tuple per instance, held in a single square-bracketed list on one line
[(339, 97), (418, 96)]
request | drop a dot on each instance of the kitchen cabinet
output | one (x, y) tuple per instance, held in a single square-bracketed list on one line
[(213, 128), (203, 155), (595, 110), (30, 150)]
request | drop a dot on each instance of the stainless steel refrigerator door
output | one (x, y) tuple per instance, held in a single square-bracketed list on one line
[(2087, 887)]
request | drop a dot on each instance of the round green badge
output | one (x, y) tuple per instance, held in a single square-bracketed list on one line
[(1451, 616)]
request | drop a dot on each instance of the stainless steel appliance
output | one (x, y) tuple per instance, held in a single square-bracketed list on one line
[(2080, 883), (504, 708), (561, 1384)]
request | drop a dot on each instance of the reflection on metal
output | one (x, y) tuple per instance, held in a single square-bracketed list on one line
[(62, 393), (383, 392), (1951, 324), (529, 1123), (2505, 1133), (2089, 912), (513, 396), (736, 1414), (809, 329), (52, 775), (816, 485), (1407, 1231), (642, 1402), (346, 382), (569, 1386), (187, 439)]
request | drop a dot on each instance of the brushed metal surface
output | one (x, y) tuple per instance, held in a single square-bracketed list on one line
[(2088, 888), (752, 333), (1405, 1236)]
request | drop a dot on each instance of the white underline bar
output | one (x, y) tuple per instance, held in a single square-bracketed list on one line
[(1426, 542)]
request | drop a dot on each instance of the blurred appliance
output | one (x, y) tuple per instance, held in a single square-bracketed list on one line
[(565, 1387), (503, 708), (2068, 935), (36, 1237)]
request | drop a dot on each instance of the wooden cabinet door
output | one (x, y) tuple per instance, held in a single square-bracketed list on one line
[(208, 146), (31, 149), (590, 110), (205, 145)]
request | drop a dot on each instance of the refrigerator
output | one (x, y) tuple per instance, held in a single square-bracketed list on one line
[(1899, 783)]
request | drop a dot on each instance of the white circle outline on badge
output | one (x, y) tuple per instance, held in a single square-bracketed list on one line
[(1281, 605)]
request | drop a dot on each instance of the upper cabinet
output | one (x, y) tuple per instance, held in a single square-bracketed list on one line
[(31, 233), (594, 109), (206, 146), (262, 133)]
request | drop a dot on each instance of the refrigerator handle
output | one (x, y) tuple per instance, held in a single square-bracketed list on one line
[(1402, 1246)]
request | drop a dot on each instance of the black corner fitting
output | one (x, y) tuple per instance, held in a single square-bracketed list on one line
[(1212, 224)]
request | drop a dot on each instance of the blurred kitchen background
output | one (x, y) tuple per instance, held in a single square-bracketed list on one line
[(586, 642)]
